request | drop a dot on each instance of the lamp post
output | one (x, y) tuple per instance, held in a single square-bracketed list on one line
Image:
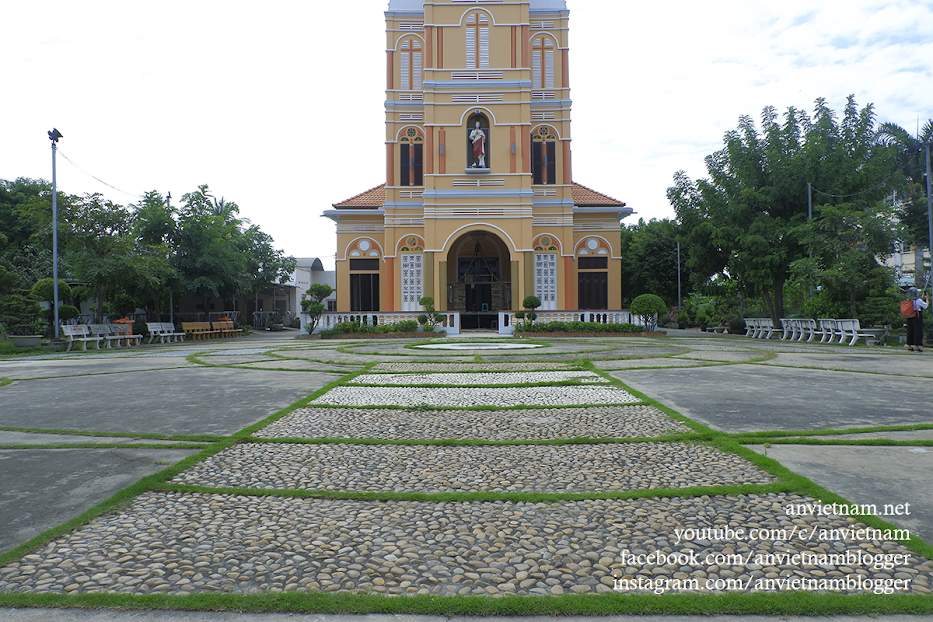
[(54, 135), (929, 206)]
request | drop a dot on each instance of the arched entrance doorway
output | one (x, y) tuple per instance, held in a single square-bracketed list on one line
[(479, 273)]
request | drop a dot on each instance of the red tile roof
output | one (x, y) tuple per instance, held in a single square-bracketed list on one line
[(586, 197), (374, 197), (582, 196)]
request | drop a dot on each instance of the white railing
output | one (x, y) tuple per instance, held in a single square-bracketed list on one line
[(449, 324), (507, 318)]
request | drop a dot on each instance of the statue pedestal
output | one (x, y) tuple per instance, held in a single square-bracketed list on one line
[(476, 171)]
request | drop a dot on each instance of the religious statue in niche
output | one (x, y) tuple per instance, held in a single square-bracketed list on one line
[(478, 142)]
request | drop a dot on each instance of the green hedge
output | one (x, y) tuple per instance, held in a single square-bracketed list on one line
[(357, 328), (578, 327)]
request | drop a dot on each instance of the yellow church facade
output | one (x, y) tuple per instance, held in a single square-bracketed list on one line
[(479, 208)]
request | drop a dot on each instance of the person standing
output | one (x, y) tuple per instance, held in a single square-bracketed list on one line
[(915, 323)]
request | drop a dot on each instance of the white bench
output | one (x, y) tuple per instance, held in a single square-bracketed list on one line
[(851, 329), (106, 334), (798, 328), (164, 332), (125, 333), (79, 333), (759, 328)]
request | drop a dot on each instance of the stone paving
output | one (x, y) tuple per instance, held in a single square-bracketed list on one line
[(462, 397), (478, 378), (499, 425), (182, 542), (439, 469)]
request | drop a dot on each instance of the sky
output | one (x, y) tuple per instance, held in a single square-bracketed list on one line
[(279, 106)]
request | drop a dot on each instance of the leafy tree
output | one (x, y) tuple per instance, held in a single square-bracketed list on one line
[(649, 259), (648, 307), (747, 222), (911, 199), (208, 248), (44, 291), (153, 230)]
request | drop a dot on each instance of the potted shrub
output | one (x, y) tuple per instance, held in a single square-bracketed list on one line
[(22, 321)]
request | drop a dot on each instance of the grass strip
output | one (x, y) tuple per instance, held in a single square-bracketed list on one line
[(477, 496), (192, 438), (762, 603), (458, 442), (880, 428), (880, 442), (5, 381), (105, 446), (424, 407)]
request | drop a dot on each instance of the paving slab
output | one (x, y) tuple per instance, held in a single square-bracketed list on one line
[(869, 475), (726, 356), (749, 398), (109, 615), (24, 370), (642, 363), (8, 437), (80, 615), (905, 435), (196, 400), (42, 488), (299, 365), (900, 363)]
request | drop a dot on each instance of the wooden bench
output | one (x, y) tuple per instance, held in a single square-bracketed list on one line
[(226, 328), (163, 331), (199, 330), (105, 332), (79, 333)]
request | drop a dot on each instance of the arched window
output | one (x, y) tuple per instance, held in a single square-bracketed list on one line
[(542, 62), (410, 50), (411, 157), (543, 155), (477, 141), (477, 40)]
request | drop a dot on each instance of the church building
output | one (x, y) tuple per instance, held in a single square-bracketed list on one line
[(479, 208)]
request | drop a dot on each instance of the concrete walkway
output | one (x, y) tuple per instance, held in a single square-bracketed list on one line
[(158, 391)]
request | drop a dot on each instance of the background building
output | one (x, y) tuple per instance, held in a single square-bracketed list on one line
[(478, 208)]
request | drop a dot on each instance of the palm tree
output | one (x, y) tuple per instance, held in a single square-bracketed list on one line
[(909, 154)]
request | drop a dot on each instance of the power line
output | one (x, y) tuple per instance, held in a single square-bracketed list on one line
[(138, 196)]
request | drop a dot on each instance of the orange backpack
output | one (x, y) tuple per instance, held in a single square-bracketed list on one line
[(907, 309)]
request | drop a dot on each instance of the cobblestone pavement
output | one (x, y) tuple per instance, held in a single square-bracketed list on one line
[(479, 378), (469, 396), (438, 469), (499, 425), (182, 542)]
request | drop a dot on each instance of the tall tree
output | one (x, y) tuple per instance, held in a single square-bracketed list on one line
[(649, 260), (911, 199), (747, 221)]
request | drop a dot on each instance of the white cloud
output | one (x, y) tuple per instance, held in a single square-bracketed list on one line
[(279, 106)]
